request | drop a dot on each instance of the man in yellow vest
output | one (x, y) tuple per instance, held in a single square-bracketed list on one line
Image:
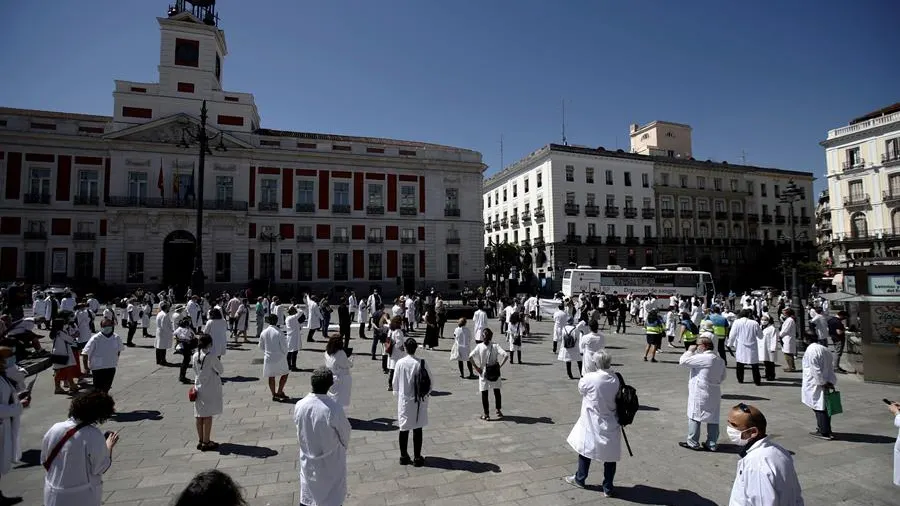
[(656, 329), (689, 330), (720, 330)]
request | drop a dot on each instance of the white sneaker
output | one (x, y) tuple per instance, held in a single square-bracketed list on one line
[(572, 481)]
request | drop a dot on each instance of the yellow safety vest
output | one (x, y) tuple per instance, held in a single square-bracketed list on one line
[(720, 331), (688, 336), (655, 329)]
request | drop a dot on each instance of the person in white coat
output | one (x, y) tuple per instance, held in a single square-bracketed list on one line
[(743, 338), (704, 393), (394, 348), (274, 348), (313, 317), (597, 434), (145, 312), (818, 378), (12, 402), (487, 354), (767, 347), (568, 350), (217, 328), (515, 330), (75, 464), (412, 407), (589, 344), (337, 361), (165, 329), (479, 322), (787, 334), (560, 320), (352, 304), (292, 329), (323, 432), (462, 339), (765, 474), (39, 310), (193, 310), (208, 384), (102, 352), (895, 410)]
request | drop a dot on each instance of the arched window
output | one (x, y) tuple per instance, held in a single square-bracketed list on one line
[(686, 229), (704, 230), (858, 227), (667, 228), (738, 231), (720, 231)]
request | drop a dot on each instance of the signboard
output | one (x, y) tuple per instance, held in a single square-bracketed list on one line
[(60, 263), (850, 282), (885, 326), (884, 284)]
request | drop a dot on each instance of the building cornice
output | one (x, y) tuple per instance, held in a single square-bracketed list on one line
[(861, 135)]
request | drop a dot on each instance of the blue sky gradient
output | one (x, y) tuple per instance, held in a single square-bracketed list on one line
[(768, 78)]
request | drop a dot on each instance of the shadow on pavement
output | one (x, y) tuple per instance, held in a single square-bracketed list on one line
[(744, 397), (642, 494), (863, 438), (526, 420), (436, 393), (259, 452), (647, 408), (30, 458), (375, 424), (533, 363), (472, 466), (239, 379), (137, 416)]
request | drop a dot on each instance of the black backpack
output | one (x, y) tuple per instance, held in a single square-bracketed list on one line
[(569, 339), (514, 318), (422, 384), (626, 402)]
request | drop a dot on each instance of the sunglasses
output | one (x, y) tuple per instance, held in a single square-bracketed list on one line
[(744, 407)]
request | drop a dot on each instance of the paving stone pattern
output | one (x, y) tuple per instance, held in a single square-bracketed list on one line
[(518, 461)]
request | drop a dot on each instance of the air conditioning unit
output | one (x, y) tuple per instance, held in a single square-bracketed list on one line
[(684, 269)]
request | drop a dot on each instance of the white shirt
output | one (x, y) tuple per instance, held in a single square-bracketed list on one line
[(67, 304), (102, 351), (766, 477), (323, 432), (76, 474)]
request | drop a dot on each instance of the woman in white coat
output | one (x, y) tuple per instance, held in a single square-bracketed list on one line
[(337, 361), (412, 412), (590, 343), (895, 410), (274, 348), (394, 348), (571, 336), (292, 329), (704, 393), (208, 385), (12, 383), (818, 377), (768, 347), (217, 328), (146, 311), (479, 322), (515, 329), (313, 317), (462, 339), (164, 331), (597, 434), (75, 467), (485, 354), (788, 337)]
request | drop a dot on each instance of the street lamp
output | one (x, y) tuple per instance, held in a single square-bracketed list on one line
[(191, 135), (271, 238), (793, 193)]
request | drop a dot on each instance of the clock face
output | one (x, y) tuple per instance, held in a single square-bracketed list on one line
[(187, 52)]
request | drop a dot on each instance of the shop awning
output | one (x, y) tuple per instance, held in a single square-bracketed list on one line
[(849, 297)]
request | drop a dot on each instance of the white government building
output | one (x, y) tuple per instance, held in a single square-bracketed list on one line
[(112, 199)]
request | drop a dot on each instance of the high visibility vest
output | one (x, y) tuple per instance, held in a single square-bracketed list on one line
[(654, 328), (688, 336), (720, 330)]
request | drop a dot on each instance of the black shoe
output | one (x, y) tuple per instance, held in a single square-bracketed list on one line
[(419, 461), (9, 501), (185, 381), (405, 461), (130, 345)]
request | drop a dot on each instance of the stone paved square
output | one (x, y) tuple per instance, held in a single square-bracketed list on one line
[(518, 461)]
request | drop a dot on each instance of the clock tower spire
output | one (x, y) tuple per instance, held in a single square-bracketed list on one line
[(192, 49)]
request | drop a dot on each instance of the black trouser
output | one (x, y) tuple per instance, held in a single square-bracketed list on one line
[(611, 318), (498, 400), (417, 442), (132, 328), (309, 336), (390, 376), (292, 360), (362, 330), (721, 346), (770, 370), (823, 421), (384, 364), (754, 369), (103, 378), (621, 323), (160, 356), (345, 333), (186, 351), (569, 369), (374, 345), (460, 362), (838, 353)]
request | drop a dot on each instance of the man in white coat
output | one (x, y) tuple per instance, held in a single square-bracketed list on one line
[(193, 310), (895, 410), (313, 317), (787, 334), (353, 304), (274, 347), (412, 408), (165, 329), (12, 403), (560, 320), (818, 378), (479, 323), (597, 434), (292, 330), (323, 431), (745, 333), (704, 393), (765, 474)]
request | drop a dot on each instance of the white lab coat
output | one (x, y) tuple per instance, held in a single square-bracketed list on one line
[(353, 304), (62, 345), (218, 330), (411, 310), (588, 344), (574, 353), (292, 328), (83, 321), (597, 434), (164, 330), (767, 346), (705, 385), (146, 309), (208, 382), (788, 336), (39, 308), (897, 452), (10, 416), (484, 355), (274, 347), (314, 318), (479, 323), (410, 414), (820, 323), (76, 474), (323, 431), (462, 343), (340, 365), (560, 320), (397, 352), (513, 331), (278, 310), (743, 337), (766, 477), (818, 369), (193, 310)]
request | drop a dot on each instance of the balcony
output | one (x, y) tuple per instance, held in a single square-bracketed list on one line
[(592, 210), (686, 214), (721, 215), (670, 240), (538, 242), (409, 211), (453, 240), (891, 197), (267, 206), (84, 236), (571, 209), (341, 239), (308, 207), (305, 238), (613, 240), (890, 158), (573, 239), (374, 210), (593, 239), (539, 215), (780, 220), (340, 208), (487, 226), (648, 213), (737, 216), (704, 214), (857, 200), (451, 212), (859, 163), (407, 240), (667, 213), (631, 212), (611, 212), (36, 234), (650, 241), (161, 203), (504, 223), (375, 239), (805, 220), (514, 221), (753, 217), (632, 241), (526, 217), (86, 200), (496, 224), (767, 219), (37, 198)]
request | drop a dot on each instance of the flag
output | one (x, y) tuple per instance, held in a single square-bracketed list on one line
[(160, 182), (190, 190), (175, 181)]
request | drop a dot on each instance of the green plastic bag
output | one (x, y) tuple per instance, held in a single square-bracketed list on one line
[(833, 402)]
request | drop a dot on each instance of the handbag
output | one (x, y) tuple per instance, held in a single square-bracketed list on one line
[(833, 402), (192, 394), (492, 371)]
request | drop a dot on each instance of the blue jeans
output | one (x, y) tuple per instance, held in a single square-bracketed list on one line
[(609, 472), (712, 434), (326, 321)]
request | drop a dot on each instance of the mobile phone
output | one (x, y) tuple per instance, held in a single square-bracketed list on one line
[(889, 403)]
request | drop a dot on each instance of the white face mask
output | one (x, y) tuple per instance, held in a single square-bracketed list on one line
[(735, 436)]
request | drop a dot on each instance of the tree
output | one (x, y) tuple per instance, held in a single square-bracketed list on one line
[(500, 259)]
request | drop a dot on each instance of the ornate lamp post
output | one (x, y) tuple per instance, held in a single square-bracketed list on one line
[(199, 136), (271, 238), (792, 193)]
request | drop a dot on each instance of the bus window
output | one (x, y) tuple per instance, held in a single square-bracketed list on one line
[(567, 274)]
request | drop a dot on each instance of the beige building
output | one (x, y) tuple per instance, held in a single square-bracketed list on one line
[(863, 160), (661, 138)]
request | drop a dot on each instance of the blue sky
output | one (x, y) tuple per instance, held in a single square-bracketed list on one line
[(768, 78)]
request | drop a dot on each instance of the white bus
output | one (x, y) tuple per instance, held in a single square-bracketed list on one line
[(647, 281)]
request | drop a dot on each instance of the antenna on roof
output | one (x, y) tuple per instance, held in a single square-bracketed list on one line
[(501, 151), (564, 123), (743, 157)]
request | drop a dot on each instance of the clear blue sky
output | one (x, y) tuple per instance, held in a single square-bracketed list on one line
[(767, 77)]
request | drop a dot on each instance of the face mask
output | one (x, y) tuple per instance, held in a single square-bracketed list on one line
[(735, 436), (106, 330)]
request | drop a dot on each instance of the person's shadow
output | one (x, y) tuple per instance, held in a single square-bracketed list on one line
[(642, 494), (137, 416), (471, 466), (258, 452)]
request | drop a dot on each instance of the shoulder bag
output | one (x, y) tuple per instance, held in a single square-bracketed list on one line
[(56, 449), (492, 371)]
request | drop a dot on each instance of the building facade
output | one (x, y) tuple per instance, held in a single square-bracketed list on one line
[(863, 170), (113, 198)]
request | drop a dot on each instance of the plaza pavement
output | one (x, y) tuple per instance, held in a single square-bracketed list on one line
[(518, 461)]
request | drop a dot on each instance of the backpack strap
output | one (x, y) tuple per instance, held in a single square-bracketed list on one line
[(621, 380), (56, 449)]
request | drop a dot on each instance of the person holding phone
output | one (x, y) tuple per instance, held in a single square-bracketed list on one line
[(337, 360), (895, 410)]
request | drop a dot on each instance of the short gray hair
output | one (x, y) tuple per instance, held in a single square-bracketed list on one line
[(602, 360), (705, 342)]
